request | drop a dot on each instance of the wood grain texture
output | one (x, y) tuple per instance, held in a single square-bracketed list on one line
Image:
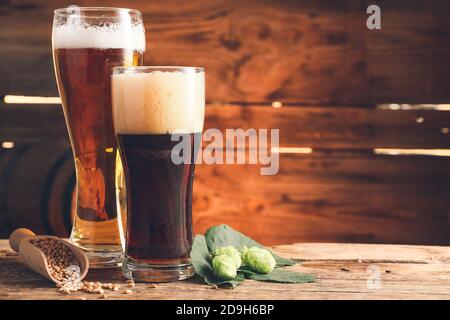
[(318, 127), (331, 197), (329, 127), (366, 253), (412, 275), (302, 51)]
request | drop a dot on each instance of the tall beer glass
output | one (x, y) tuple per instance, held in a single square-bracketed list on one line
[(87, 44), (156, 110)]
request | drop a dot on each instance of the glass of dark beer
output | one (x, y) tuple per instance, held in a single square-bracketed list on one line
[(87, 44), (156, 110)]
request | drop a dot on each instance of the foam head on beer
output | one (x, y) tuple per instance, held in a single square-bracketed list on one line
[(158, 101), (77, 31)]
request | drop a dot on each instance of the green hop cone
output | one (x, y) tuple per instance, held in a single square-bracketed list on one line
[(242, 252), (258, 259), (224, 267), (231, 252)]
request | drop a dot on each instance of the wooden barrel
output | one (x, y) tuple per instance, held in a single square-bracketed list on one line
[(36, 186)]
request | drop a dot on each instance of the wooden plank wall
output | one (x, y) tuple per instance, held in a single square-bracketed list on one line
[(327, 69)]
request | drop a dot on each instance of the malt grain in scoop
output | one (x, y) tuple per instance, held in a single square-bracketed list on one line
[(27, 244)]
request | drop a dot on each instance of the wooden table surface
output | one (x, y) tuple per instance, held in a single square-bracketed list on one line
[(344, 271)]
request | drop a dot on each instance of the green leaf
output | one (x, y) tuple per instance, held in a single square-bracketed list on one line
[(223, 235), (201, 258), (279, 275)]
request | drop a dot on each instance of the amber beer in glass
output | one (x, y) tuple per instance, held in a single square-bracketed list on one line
[(154, 110), (87, 44)]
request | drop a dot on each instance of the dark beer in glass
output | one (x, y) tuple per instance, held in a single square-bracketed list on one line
[(87, 44), (155, 110)]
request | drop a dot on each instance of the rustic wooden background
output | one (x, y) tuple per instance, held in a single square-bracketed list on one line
[(319, 60)]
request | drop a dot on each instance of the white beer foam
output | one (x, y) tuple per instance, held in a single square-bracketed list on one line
[(159, 102), (114, 36)]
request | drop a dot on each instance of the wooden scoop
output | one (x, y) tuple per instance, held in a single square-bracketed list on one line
[(34, 258)]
